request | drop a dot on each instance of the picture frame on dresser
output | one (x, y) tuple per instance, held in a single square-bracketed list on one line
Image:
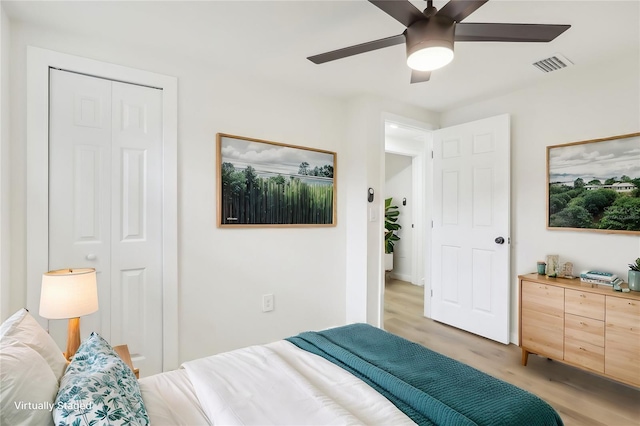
[(270, 184), (594, 185)]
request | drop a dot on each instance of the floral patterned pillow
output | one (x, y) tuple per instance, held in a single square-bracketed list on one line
[(99, 388)]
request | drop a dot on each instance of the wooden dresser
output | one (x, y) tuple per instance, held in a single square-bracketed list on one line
[(584, 325)]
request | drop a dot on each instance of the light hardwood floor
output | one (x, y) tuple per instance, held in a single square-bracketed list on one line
[(579, 397)]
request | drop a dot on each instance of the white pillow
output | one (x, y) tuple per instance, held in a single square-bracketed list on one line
[(28, 387), (22, 327)]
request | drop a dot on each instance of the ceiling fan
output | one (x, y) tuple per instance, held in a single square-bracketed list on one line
[(430, 35)]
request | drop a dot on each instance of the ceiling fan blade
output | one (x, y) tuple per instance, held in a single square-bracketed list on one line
[(401, 10), (460, 9), (420, 76), (357, 49), (471, 31)]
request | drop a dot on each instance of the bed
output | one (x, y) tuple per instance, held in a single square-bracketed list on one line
[(355, 374)]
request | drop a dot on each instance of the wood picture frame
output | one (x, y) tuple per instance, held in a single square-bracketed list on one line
[(594, 185), (270, 184)]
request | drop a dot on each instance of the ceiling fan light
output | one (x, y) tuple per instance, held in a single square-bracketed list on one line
[(430, 58), (430, 43)]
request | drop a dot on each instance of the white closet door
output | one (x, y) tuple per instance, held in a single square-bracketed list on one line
[(80, 188), (105, 205), (136, 217)]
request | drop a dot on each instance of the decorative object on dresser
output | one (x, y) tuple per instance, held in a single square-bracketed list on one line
[(566, 270), (634, 275), (594, 185), (600, 278), (585, 325), (69, 293), (553, 262), (262, 183)]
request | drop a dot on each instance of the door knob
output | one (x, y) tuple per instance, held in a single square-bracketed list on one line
[(91, 256), (499, 240)]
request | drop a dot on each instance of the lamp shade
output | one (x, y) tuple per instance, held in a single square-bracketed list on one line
[(69, 293)]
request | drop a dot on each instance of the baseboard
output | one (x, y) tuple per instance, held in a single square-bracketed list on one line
[(401, 277)]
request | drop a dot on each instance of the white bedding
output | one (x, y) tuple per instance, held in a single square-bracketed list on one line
[(171, 400), (277, 384)]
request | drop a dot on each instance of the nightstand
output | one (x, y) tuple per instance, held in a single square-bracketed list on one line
[(123, 352)]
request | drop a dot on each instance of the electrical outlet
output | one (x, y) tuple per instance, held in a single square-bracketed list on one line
[(267, 303)]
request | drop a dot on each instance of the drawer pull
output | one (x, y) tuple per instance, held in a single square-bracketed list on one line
[(582, 295), (582, 349), (581, 323)]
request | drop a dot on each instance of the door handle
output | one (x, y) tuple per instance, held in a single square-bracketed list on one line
[(91, 256), (499, 240)]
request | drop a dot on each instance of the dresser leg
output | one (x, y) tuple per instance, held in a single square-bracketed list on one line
[(525, 356)]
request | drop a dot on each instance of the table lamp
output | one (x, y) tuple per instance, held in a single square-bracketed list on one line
[(69, 293)]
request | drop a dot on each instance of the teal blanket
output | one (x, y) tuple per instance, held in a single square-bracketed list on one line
[(428, 387)]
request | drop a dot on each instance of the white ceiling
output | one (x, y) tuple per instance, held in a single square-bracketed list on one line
[(270, 40)]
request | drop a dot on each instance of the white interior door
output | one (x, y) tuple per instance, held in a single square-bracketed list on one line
[(470, 264), (105, 194)]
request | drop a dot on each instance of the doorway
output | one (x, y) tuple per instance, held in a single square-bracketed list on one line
[(399, 254), (408, 184), (467, 237)]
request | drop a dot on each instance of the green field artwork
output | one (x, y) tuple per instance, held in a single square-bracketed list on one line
[(595, 185), (265, 183)]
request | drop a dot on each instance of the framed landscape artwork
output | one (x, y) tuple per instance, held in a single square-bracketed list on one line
[(595, 185), (262, 183)]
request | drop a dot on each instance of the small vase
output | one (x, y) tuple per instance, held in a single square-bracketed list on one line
[(634, 280)]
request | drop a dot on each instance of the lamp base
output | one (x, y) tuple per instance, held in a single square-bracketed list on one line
[(73, 338)]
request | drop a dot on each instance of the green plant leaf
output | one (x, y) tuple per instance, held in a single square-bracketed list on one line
[(391, 214)]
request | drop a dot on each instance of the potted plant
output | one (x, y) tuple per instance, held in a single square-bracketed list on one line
[(391, 214), (634, 275)]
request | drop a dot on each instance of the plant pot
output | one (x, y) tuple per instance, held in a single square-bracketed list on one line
[(634, 280), (388, 261)]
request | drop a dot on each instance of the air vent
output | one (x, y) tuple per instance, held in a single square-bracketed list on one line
[(554, 63)]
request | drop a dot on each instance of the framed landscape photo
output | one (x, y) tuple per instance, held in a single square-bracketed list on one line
[(595, 185), (263, 183)]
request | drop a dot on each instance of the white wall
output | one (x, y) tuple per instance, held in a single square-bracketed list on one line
[(5, 120), (223, 273), (574, 104), (399, 185)]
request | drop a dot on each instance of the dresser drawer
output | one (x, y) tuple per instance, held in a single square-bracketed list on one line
[(543, 298), (584, 354), (582, 329), (542, 334), (622, 340), (622, 353), (585, 304), (623, 312)]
